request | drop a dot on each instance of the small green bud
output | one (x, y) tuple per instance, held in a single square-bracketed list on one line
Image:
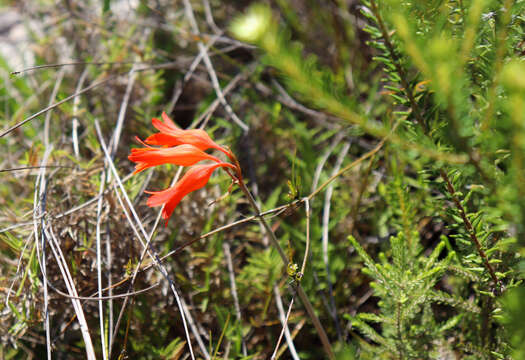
[(513, 76), (252, 26)]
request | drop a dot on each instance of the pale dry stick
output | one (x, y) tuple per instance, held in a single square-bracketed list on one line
[(229, 262), (319, 169), (113, 143), (15, 226), (47, 66), (206, 115), (151, 251), (42, 195), (70, 284), (76, 101), (284, 321), (209, 17), (103, 178), (209, 66), (36, 167), (187, 76), (37, 114), (37, 210), (51, 100), (195, 328), (218, 91), (110, 284), (325, 236), (179, 86), (231, 41), (225, 49), (293, 335), (307, 247)]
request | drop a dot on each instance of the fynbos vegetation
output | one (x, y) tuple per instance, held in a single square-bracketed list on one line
[(370, 202)]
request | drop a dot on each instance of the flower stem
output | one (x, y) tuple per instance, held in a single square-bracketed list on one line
[(302, 295)]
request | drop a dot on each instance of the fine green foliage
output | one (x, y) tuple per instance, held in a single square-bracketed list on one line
[(446, 67)]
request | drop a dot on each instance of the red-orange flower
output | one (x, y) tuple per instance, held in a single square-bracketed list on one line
[(184, 148), (196, 177), (184, 155), (171, 135)]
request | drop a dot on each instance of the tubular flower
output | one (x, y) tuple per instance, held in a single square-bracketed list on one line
[(184, 148), (196, 177), (171, 135), (184, 155)]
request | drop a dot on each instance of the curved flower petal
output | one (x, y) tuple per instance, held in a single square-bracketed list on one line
[(171, 135), (195, 178), (184, 155)]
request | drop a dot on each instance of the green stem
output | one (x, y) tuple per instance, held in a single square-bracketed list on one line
[(399, 68), (472, 233), (302, 295)]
